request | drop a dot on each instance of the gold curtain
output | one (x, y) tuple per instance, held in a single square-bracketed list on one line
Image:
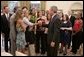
[(43, 5), (25, 3), (3, 3)]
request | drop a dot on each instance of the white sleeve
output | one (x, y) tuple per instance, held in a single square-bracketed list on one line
[(70, 28), (27, 22)]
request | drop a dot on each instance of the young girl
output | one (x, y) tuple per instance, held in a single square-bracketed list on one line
[(40, 34)]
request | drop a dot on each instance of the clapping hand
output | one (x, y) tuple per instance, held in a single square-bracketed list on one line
[(35, 23), (40, 23), (62, 28)]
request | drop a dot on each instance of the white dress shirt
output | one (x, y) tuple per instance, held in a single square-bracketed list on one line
[(69, 16), (7, 15), (53, 15)]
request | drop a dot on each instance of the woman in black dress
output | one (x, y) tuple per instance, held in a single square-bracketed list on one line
[(66, 27)]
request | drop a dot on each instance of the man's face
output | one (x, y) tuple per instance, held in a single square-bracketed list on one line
[(6, 9), (24, 10), (50, 11), (33, 10)]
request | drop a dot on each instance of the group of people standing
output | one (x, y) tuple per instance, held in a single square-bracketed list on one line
[(41, 31)]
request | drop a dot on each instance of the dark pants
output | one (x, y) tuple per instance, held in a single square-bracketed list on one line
[(70, 40), (76, 41), (52, 51), (45, 36), (27, 34), (6, 39), (40, 38)]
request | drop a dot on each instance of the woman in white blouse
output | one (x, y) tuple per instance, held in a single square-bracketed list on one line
[(28, 34)]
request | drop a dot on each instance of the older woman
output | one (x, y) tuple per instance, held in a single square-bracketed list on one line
[(77, 33)]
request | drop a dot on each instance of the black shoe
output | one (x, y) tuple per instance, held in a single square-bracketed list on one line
[(37, 52), (64, 53), (74, 52), (61, 52), (6, 51), (26, 45), (42, 52)]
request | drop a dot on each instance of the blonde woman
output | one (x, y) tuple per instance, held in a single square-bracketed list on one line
[(20, 28)]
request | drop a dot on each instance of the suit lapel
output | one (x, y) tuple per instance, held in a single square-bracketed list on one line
[(8, 17), (52, 21), (5, 17)]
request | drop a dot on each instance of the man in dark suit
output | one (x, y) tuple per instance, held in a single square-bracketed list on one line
[(5, 28), (53, 32), (72, 19)]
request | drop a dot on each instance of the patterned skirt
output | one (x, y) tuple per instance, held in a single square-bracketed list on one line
[(20, 40)]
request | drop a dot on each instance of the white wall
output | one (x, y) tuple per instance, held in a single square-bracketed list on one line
[(64, 5)]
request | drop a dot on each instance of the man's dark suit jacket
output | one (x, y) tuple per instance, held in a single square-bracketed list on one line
[(54, 29), (53, 35), (72, 19), (5, 24)]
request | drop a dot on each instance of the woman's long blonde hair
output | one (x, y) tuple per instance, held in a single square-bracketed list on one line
[(18, 14)]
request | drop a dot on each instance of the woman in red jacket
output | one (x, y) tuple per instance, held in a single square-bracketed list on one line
[(77, 33)]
